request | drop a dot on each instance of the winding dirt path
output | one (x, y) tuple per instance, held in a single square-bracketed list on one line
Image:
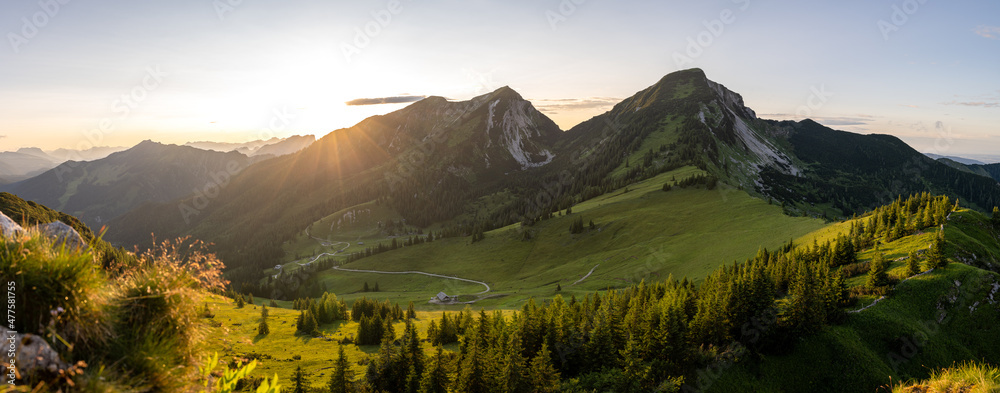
[(331, 244), (418, 272), (588, 274)]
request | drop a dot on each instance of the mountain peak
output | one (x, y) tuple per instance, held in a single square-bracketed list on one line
[(506, 92), (148, 143), (683, 75)]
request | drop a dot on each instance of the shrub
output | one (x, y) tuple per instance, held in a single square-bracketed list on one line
[(157, 317), (58, 290)]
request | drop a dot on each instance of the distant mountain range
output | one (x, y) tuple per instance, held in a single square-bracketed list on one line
[(960, 160), (28, 162), (100, 190), (495, 160), (274, 146)]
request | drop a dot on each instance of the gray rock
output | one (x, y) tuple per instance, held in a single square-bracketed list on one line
[(9, 228), (61, 233), (34, 356)]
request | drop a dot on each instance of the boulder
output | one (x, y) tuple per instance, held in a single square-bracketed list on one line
[(34, 356), (60, 233), (9, 228)]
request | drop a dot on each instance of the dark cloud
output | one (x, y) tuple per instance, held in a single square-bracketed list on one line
[(385, 100)]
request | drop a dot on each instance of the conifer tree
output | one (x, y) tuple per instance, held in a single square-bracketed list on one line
[(912, 267), (542, 374), (410, 312), (996, 217), (240, 302), (472, 372), (513, 376), (413, 352), (341, 380), (935, 257), (306, 323), (877, 276), (435, 378), (299, 381), (262, 328)]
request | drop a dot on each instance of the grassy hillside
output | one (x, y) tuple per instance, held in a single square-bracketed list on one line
[(932, 320), (29, 213), (898, 338), (642, 234), (928, 321), (234, 336)]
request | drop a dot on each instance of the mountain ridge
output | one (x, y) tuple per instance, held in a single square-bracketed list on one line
[(470, 166)]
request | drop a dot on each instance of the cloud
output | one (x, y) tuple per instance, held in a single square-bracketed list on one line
[(981, 104), (857, 120), (3, 136), (384, 100), (991, 32), (841, 121), (554, 105), (909, 106)]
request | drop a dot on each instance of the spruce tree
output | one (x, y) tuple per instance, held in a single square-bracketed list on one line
[(877, 276), (996, 217), (513, 376), (912, 267), (306, 323), (542, 374), (240, 302), (263, 329), (935, 257), (472, 372), (299, 379), (435, 378), (342, 377)]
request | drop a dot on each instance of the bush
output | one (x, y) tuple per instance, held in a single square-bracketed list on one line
[(157, 318), (57, 290), (152, 310)]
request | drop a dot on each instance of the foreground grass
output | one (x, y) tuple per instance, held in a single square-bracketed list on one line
[(968, 377)]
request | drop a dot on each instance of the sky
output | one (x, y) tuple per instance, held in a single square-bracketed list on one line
[(79, 73)]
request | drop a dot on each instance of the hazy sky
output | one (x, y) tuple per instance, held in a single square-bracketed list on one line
[(78, 72)]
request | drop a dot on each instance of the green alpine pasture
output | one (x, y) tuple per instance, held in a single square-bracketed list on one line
[(640, 233)]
